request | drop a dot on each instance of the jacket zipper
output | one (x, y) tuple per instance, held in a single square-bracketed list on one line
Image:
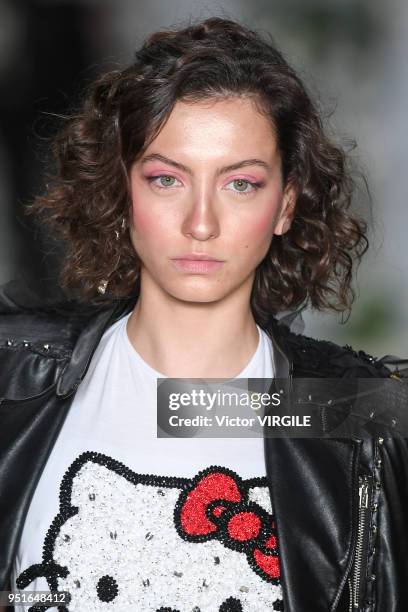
[(358, 571)]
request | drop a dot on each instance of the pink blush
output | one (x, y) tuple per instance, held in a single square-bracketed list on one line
[(261, 225), (141, 218)]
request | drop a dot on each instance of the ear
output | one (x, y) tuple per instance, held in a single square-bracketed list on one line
[(287, 211)]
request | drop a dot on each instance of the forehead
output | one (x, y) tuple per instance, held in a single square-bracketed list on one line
[(217, 128)]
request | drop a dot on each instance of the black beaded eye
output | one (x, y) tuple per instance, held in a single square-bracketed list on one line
[(107, 588), (231, 605)]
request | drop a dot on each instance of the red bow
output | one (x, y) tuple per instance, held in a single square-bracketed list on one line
[(217, 506)]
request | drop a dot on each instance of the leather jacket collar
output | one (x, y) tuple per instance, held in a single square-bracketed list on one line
[(92, 333)]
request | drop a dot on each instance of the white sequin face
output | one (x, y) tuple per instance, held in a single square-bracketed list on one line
[(125, 541)]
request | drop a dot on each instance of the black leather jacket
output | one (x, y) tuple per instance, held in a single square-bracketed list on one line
[(328, 544)]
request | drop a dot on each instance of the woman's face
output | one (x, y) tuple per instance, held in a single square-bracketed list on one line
[(210, 184)]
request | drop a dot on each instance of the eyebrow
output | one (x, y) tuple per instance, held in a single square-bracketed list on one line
[(223, 170)]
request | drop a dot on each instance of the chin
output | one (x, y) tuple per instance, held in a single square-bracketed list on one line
[(198, 294)]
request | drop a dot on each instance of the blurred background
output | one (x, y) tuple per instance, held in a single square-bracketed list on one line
[(352, 55)]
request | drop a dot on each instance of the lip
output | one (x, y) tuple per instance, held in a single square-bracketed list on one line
[(196, 257), (197, 264)]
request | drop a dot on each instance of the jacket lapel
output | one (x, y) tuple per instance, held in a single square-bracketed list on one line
[(86, 345), (30, 427), (313, 487)]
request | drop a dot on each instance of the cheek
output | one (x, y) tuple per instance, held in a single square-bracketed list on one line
[(142, 219), (147, 222), (259, 228)]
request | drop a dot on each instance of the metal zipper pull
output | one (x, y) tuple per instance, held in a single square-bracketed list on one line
[(360, 556), (363, 495)]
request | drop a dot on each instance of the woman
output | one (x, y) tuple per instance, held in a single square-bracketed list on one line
[(198, 198)]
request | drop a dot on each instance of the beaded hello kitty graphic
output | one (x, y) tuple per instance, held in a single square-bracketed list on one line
[(126, 541)]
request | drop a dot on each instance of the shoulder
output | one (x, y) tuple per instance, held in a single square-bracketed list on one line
[(37, 338), (27, 317), (313, 357)]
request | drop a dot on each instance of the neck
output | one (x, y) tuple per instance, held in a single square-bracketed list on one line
[(184, 339)]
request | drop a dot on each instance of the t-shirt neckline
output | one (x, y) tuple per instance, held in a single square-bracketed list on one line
[(156, 374)]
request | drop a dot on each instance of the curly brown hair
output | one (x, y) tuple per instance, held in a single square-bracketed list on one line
[(87, 194)]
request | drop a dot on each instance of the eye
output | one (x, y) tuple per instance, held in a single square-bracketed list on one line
[(163, 181), (107, 588), (241, 186)]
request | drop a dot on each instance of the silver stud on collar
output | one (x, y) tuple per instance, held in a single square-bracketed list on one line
[(9, 342), (46, 347)]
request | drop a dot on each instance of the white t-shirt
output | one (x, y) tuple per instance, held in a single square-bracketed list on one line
[(126, 521)]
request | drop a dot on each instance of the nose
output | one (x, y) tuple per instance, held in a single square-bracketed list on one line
[(201, 219)]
